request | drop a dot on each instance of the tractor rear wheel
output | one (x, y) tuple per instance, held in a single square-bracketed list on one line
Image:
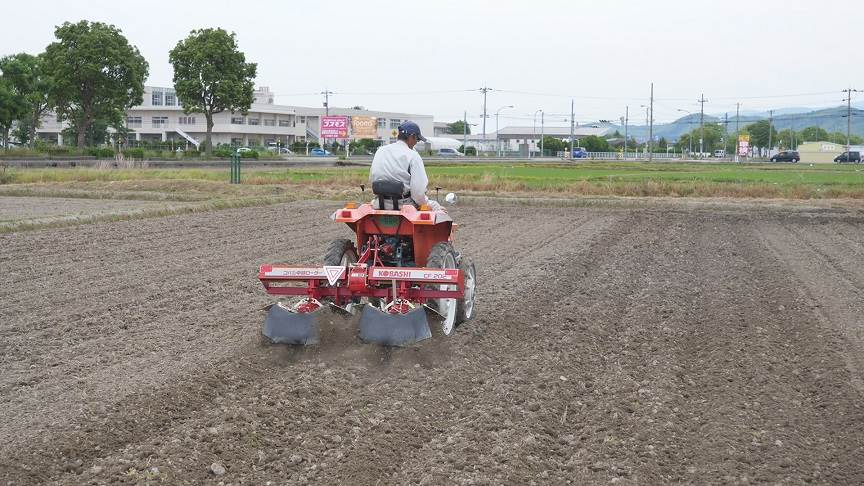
[(465, 305), (341, 252), (443, 256)]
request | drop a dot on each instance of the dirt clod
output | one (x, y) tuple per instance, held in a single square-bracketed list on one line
[(217, 469)]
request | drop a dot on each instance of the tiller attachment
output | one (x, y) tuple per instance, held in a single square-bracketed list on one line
[(293, 326), (402, 291), (400, 325)]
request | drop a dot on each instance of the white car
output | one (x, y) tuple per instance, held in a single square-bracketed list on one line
[(449, 152)]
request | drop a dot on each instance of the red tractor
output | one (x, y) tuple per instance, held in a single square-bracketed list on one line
[(401, 267)]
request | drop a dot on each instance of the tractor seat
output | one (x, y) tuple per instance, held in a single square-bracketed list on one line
[(387, 190)]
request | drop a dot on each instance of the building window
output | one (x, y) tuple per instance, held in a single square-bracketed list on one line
[(269, 123), (170, 99), (382, 123), (254, 121), (157, 98), (160, 121), (395, 122), (186, 120), (133, 121), (284, 123), (238, 120), (236, 141), (302, 119)]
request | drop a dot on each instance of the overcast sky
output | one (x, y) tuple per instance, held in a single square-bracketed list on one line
[(427, 57)]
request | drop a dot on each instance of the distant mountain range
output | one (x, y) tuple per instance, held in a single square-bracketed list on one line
[(830, 119)]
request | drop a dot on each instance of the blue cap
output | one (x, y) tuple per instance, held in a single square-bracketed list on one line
[(411, 128)]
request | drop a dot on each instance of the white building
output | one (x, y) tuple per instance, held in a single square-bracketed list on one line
[(160, 118), (527, 139)]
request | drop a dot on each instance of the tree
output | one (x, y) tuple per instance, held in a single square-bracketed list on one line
[(12, 107), (458, 127), (95, 134), (786, 138), (840, 138), (593, 143), (363, 146), (97, 75), (551, 145), (813, 134), (211, 75), (26, 74), (712, 141), (468, 151), (759, 133)]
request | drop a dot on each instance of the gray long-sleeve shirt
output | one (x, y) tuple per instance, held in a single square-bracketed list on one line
[(397, 162)]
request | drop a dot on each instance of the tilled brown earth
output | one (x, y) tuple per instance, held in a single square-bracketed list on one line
[(611, 346)]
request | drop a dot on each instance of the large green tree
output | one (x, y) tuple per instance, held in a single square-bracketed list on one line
[(552, 145), (813, 134), (97, 74), (713, 140), (26, 74), (759, 133), (458, 128), (593, 143), (12, 107), (211, 75)]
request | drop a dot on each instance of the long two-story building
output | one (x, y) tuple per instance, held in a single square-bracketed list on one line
[(160, 118)]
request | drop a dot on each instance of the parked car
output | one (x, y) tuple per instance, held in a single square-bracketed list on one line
[(241, 150), (719, 154), (580, 153), (848, 157), (786, 156), (276, 148), (318, 152), (280, 150), (449, 152)]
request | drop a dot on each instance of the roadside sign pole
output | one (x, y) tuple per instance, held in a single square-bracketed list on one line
[(235, 168)]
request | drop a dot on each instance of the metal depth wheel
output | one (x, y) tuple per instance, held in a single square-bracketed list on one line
[(465, 306), (341, 252), (443, 256)]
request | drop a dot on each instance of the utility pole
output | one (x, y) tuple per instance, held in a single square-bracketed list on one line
[(465, 133), (484, 90), (702, 100), (737, 134), (651, 127), (848, 101), (572, 129), (326, 94), (725, 132), (542, 131), (626, 120), (770, 129)]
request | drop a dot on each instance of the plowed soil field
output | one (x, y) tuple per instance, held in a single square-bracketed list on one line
[(629, 346)]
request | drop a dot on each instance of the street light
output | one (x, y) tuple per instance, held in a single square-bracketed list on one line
[(689, 135), (497, 139), (541, 128)]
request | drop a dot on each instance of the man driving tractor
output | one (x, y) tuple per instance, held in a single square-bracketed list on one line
[(400, 162)]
